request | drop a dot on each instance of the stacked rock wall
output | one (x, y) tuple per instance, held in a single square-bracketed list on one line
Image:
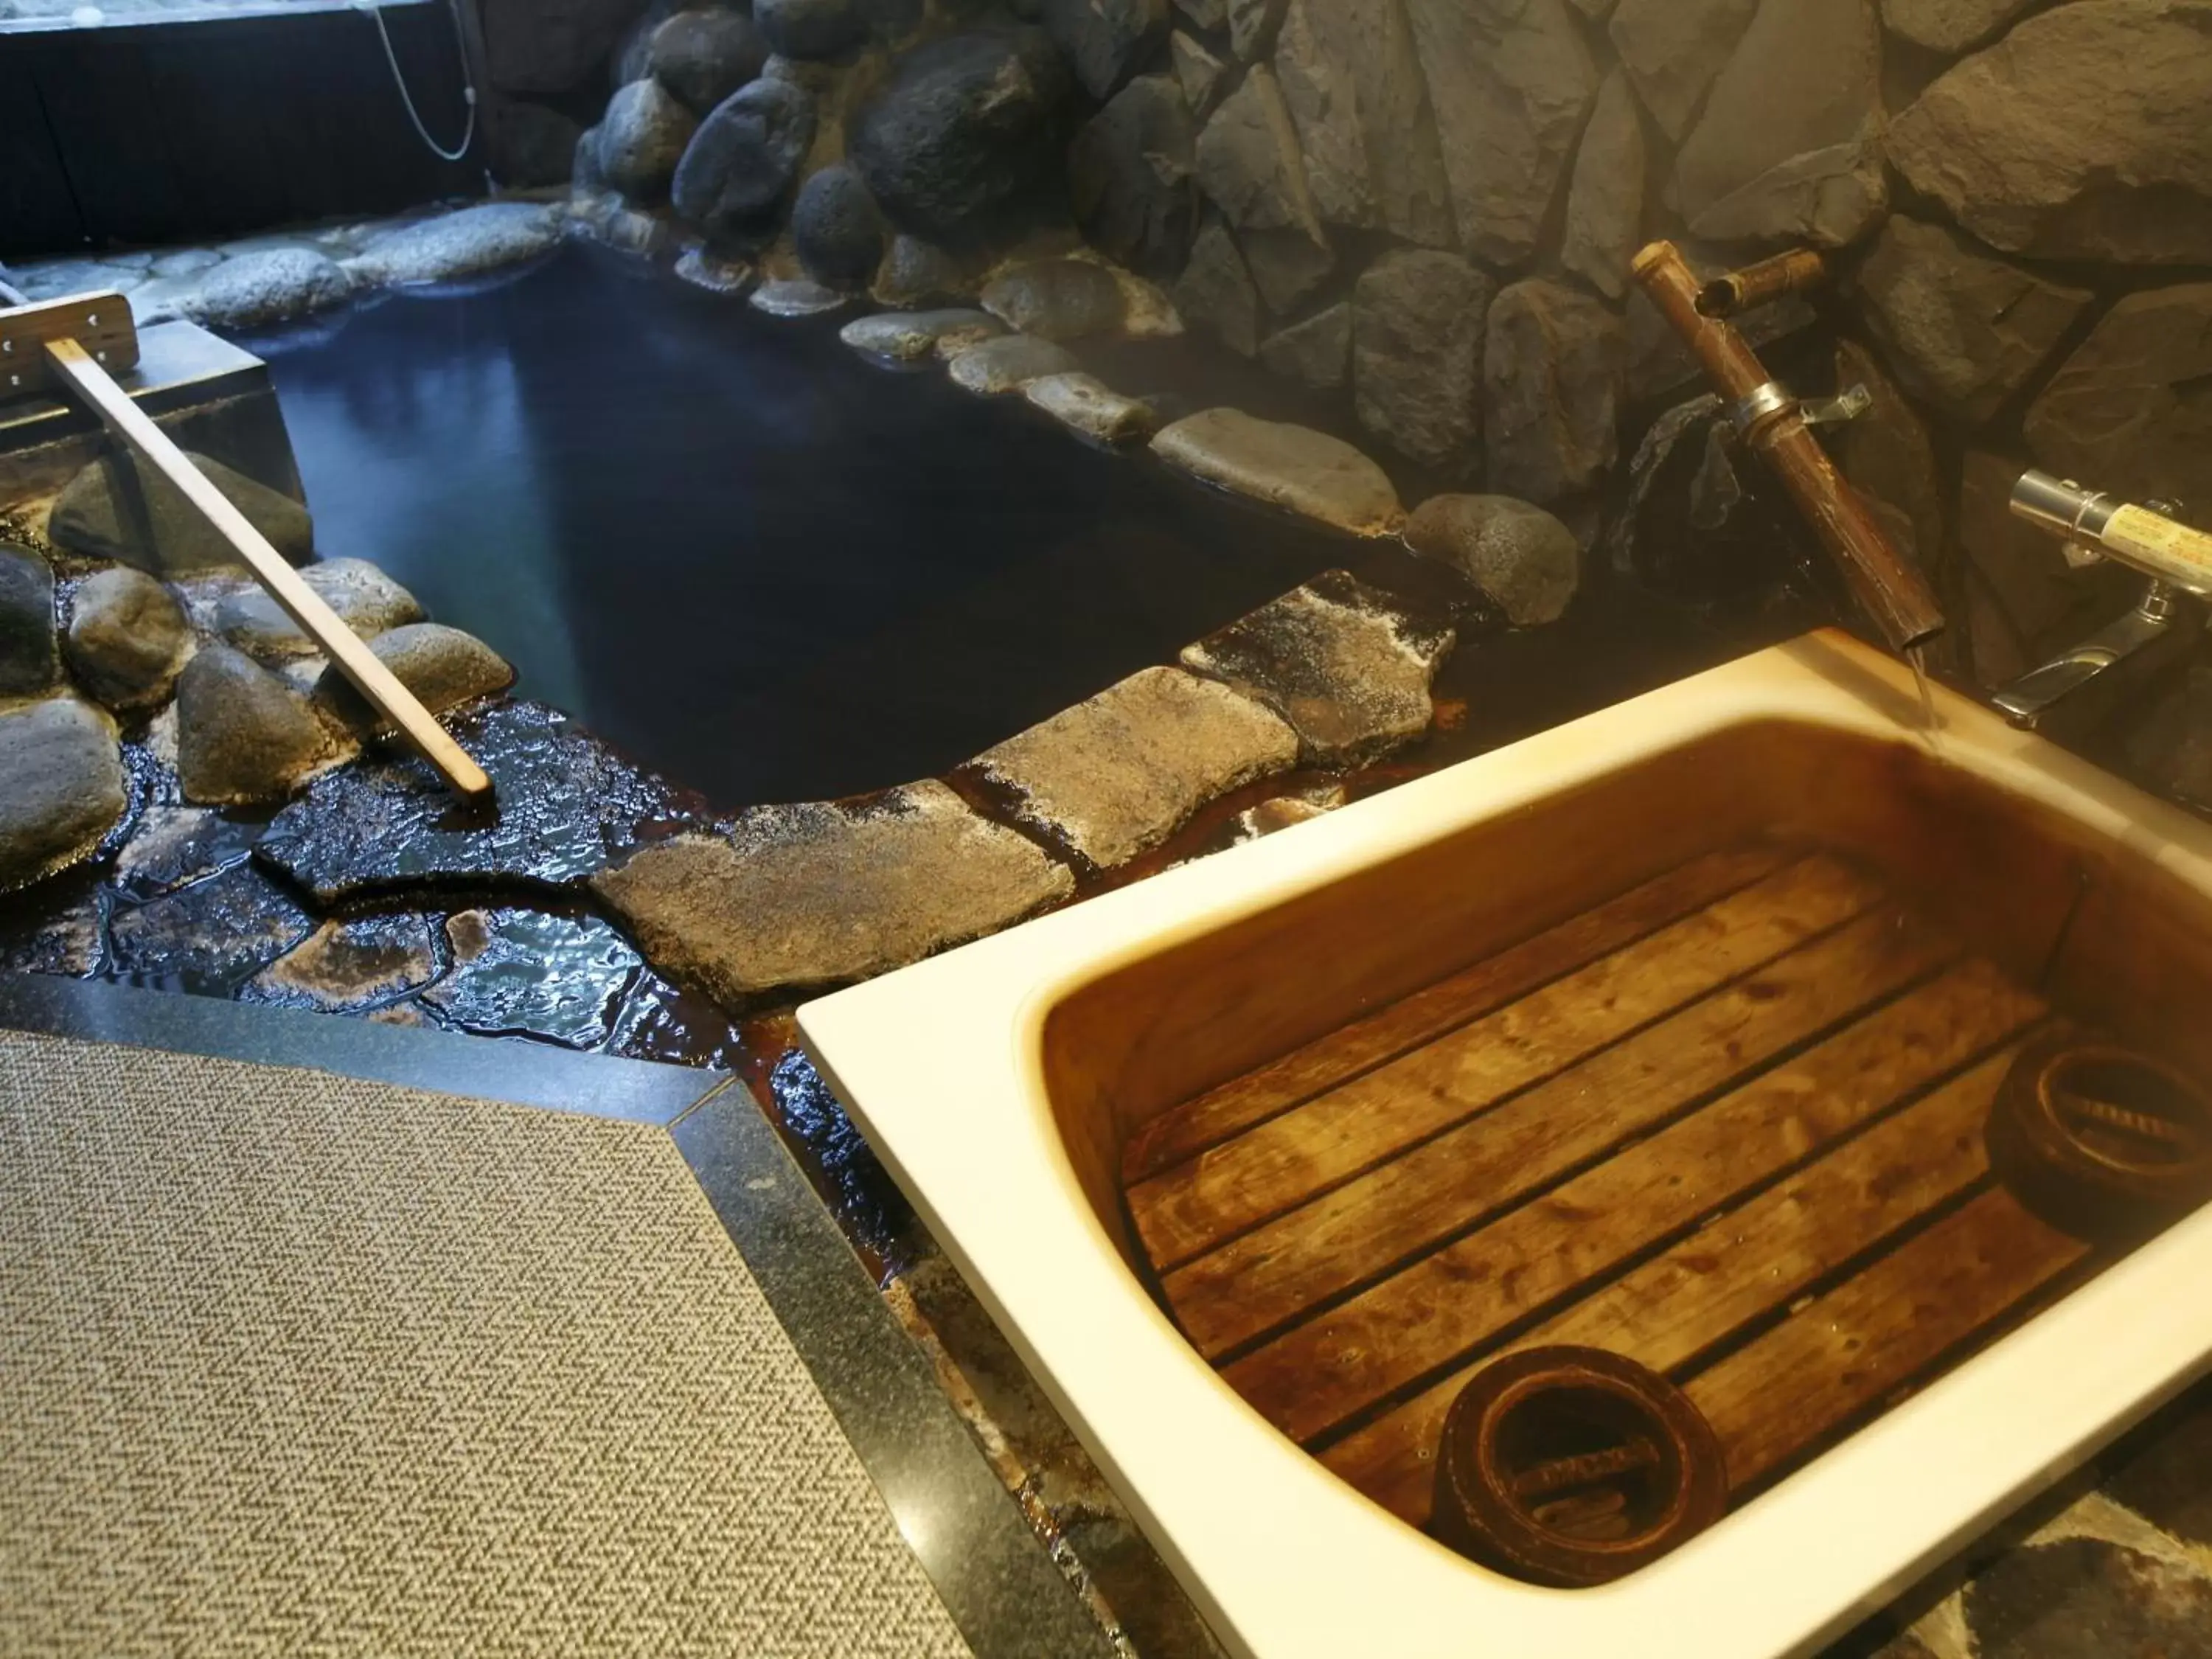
[(1427, 209)]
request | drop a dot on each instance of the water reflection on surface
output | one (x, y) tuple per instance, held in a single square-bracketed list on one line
[(747, 557)]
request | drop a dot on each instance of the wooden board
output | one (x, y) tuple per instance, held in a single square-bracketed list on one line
[(102, 323), (1740, 1143)]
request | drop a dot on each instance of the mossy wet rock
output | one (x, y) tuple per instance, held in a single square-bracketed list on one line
[(641, 138), (61, 786), (1057, 300), (998, 367), (1106, 40), (266, 287), (1965, 330), (1129, 177), (2081, 135), (967, 129), (30, 662), (702, 56), (1088, 406), (1417, 341), (1522, 557), (366, 600), (816, 895), (244, 736), (743, 159), (1120, 772), (128, 638), (1346, 667), (2127, 412), (442, 666), (460, 244), (837, 228), (117, 509), (1789, 146), (909, 335), (1307, 472)]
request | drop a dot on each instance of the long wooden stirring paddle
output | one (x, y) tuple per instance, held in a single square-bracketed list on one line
[(75, 343)]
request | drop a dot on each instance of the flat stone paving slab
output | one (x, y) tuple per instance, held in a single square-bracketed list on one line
[(909, 335), (1119, 774), (1294, 467), (822, 894), (565, 805), (1348, 669)]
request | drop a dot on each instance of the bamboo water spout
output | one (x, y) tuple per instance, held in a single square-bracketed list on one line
[(1770, 420)]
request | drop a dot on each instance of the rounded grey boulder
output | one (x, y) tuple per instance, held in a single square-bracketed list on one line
[(28, 663), (243, 735), (90, 517), (127, 638), (744, 158), (838, 231), (459, 244), (61, 787), (811, 28), (366, 600), (967, 127), (268, 287), (642, 139), (1520, 555), (702, 56), (442, 666)]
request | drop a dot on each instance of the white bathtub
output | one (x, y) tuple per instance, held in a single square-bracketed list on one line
[(998, 1081)]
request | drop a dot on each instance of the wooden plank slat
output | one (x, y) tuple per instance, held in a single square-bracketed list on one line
[(1287, 1160), (1262, 1280), (1319, 1374), (1738, 1269), (1184, 1132), (1780, 1395), (346, 649)]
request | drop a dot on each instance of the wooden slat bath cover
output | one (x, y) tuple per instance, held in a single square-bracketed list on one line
[(1728, 1124)]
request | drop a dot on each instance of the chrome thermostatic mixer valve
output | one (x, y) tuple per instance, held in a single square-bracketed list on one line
[(2130, 650), (2096, 527)]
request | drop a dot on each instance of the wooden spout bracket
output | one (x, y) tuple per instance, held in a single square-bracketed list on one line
[(1886, 585)]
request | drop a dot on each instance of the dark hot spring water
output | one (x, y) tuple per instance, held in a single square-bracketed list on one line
[(751, 559)]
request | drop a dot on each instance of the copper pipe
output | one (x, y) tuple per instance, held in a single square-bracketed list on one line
[(1894, 594), (1797, 272)]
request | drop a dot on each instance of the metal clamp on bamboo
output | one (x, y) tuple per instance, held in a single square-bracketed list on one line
[(1771, 421), (72, 344)]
